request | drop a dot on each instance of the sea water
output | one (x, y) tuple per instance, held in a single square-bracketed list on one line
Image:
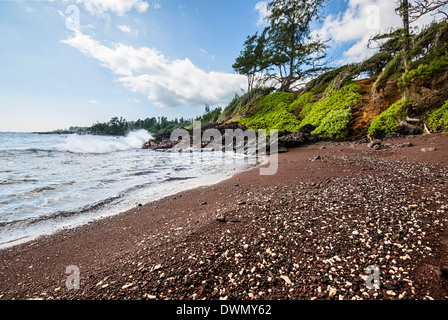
[(52, 182)]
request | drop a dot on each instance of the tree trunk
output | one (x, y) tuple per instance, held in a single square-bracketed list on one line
[(406, 36)]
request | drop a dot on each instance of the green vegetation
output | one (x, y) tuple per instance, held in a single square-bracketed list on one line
[(240, 102), (117, 127), (210, 116), (341, 99), (425, 73), (392, 71), (334, 125), (330, 115), (438, 119), (273, 112), (387, 122), (305, 103), (120, 127)]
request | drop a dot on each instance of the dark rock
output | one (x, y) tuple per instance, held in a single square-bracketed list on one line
[(403, 145), (374, 143), (154, 145), (409, 129), (377, 147), (282, 150), (298, 138), (308, 128)]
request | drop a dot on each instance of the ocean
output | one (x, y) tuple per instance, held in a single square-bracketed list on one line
[(52, 182)]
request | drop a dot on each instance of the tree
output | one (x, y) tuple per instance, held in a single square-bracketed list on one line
[(290, 48), (403, 10), (422, 7), (251, 60)]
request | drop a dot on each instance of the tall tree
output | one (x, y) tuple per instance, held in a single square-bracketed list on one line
[(251, 60), (403, 10), (290, 49)]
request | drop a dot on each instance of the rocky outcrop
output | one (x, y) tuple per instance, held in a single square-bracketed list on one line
[(299, 137), (286, 139)]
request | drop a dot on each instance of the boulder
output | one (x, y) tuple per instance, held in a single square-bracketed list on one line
[(403, 145), (374, 143), (299, 137)]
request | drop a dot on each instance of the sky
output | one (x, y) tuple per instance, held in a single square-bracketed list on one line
[(75, 62)]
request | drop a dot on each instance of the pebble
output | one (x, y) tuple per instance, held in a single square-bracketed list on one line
[(428, 149)]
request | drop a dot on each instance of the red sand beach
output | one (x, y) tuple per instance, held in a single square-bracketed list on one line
[(307, 232)]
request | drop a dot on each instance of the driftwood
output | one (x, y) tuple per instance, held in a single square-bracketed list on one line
[(412, 120), (426, 129)]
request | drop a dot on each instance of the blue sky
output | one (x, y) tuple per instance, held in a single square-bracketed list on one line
[(143, 58)]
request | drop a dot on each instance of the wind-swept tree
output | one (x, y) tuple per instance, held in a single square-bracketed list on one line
[(251, 60), (403, 10), (422, 7), (291, 52)]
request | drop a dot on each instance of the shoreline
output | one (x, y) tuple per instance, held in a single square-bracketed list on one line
[(126, 201), (256, 228)]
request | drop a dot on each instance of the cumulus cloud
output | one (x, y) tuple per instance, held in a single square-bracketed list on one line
[(119, 7), (167, 83), (361, 20)]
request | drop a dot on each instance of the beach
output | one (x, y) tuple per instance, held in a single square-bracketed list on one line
[(310, 231)]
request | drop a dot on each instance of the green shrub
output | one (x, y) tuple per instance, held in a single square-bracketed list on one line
[(344, 98), (387, 122), (303, 102), (273, 112), (239, 102), (424, 73), (334, 125), (438, 119), (392, 71)]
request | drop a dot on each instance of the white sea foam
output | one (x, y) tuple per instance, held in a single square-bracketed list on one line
[(96, 144)]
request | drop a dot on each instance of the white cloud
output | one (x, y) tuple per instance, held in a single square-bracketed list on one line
[(263, 12), (167, 83), (119, 7), (134, 100), (362, 20), (29, 10), (127, 29), (88, 26), (93, 101)]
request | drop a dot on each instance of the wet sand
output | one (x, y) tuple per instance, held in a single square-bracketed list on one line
[(307, 232)]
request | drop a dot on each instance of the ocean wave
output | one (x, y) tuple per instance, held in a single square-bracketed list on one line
[(75, 143), (101, 144)]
